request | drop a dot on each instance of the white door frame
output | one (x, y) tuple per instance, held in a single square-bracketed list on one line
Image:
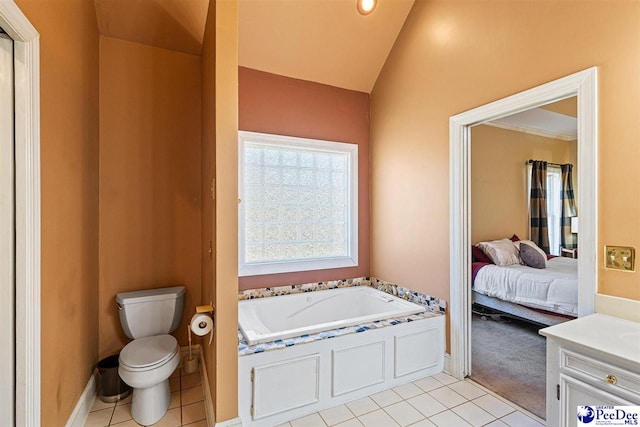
[(7, 233), (584, 85), (27, 178)]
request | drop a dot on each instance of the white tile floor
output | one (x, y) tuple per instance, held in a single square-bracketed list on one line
[(439, 400), (186, 407), (436, 401)]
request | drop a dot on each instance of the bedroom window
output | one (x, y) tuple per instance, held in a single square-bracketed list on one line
[(298, 206), (554, 205)]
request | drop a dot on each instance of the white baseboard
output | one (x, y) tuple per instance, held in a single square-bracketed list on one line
[(80, 413), (236, 422), (447, 362)]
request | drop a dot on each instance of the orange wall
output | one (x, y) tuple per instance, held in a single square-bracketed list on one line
[(280, 105), (150, 230), (499, 178), (69, 166), (454, 56)]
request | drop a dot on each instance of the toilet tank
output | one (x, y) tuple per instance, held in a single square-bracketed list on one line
[(150, 312)]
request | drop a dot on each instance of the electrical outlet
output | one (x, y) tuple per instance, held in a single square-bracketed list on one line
[(620, 258)]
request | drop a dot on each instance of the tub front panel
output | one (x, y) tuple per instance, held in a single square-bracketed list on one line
[(269, 395), (357, 367), (344, 368), (411, 355)]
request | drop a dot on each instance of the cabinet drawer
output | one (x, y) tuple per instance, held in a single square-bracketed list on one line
[(597, 372), (575, 393)]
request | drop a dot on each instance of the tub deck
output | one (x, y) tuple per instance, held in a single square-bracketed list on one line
[(245, 349)]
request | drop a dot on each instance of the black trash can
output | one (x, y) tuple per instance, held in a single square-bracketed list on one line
[(110, 387)]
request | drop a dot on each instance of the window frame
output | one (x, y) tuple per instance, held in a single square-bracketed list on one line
[(298, 265)]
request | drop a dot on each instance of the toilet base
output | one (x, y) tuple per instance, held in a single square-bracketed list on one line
[(149, 405)]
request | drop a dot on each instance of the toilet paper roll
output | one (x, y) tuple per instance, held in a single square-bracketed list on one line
[(201, 324)]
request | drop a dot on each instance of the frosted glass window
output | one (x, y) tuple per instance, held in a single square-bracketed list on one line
[(298, 204)]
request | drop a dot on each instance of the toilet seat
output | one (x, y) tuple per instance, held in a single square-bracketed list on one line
[(148, 353)]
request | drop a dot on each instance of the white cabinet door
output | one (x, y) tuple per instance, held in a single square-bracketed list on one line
[(574, 393), (7, 233)]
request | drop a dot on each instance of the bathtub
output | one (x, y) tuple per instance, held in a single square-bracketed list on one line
[(297, 379), (268, 319)]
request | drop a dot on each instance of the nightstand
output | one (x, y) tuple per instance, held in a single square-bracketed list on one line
[(569, 253)]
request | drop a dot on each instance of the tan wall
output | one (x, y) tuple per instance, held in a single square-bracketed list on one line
[(220, 144), (69, 166), (499, 178), (149, 178), (453, 56), (282, 105)]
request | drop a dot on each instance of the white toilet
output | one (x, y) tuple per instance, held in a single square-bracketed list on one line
[(147, 362)]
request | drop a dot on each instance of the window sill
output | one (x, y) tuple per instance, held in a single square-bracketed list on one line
[(259, 269)]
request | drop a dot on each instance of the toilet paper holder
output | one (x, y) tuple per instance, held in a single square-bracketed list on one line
[(204, 308)]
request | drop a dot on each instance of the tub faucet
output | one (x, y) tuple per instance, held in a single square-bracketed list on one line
[(389, 288)]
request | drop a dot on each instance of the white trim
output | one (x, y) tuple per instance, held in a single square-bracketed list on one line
[(80, 413), (236, 422), (531, 131), (27, 143), (447, 363), (584, 85), (7, 233), (540, 122), (622, 308), (294, 265)]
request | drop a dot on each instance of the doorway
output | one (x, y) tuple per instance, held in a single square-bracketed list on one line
[(507, 352), (583, 85), (7, 233)]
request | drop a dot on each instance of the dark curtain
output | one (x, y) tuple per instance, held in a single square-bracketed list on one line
[(567, 239), (538, 205)]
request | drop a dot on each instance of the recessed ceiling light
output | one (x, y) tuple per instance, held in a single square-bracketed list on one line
[(365, 7)]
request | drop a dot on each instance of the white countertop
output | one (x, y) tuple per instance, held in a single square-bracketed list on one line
[(618, 337)]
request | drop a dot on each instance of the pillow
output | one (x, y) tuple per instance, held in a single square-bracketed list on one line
[(532, 255), (502, 252), (479, 256), (515, 238)]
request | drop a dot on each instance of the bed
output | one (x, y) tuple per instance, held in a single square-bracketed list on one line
[(544, 296)]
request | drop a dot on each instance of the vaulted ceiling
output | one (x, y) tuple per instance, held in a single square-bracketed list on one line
[(325, 41), (170, 24)]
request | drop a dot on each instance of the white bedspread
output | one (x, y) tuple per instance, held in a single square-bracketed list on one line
[(554, 288)]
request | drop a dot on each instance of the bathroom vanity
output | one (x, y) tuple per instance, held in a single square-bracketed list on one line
[(593, 360)]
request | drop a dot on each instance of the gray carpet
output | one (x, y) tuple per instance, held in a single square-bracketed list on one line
[(508, 358)]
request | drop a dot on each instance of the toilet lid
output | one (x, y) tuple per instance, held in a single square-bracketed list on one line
[(144, 352)]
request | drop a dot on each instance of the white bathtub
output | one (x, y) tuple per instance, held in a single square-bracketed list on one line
[(268, 319), (278, 385)]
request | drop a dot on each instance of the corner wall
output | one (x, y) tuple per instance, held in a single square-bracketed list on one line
[(150, 180), (451, 57), (220, 146), (69, 167), (281, 105)]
